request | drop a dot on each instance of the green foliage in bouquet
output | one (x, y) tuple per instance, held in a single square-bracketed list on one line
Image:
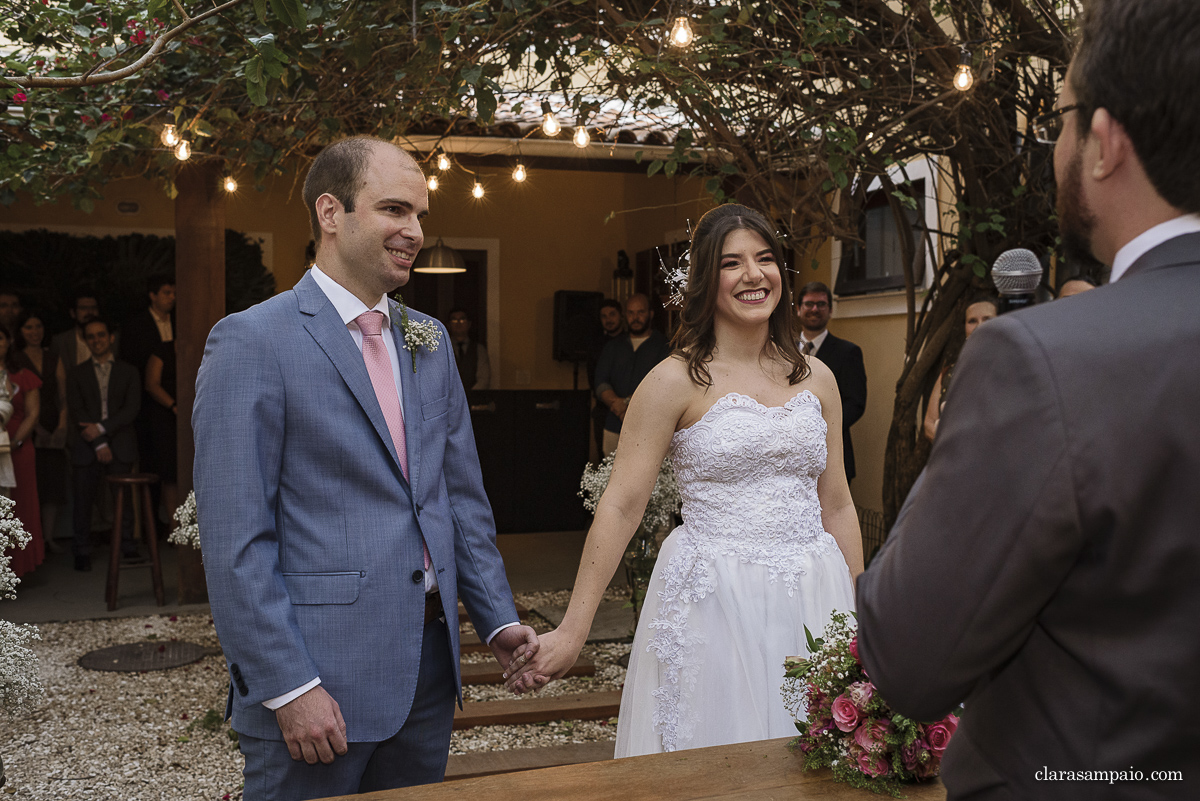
[(846, 725)]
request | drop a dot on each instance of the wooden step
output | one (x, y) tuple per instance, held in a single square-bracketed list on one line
[(487, 763), (582, 706), (522, 613), (489, 672)]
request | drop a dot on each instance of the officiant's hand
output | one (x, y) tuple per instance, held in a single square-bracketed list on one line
[(509, 641), (553, 659), (313, 727)]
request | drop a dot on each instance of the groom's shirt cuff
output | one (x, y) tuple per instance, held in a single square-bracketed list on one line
[(491, 636), (275, 703)]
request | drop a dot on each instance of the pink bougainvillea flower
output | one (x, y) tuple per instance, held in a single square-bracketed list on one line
[(162, 95), (86, 119), (105, 118), (19, 98)]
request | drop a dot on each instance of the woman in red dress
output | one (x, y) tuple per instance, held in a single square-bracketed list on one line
[(23, 388)]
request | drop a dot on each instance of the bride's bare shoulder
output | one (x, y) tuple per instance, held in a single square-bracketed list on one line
[(669, 382)]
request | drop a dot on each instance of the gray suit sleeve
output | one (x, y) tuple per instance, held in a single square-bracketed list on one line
[(985, 538), (482, 582), (239, 429)]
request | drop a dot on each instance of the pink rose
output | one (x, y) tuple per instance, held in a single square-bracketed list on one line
[(854, 650), (870, 735), (911, 755), (873, 765), (939, 734), (861, 693), (845, 713)]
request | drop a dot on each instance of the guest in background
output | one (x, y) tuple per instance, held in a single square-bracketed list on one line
[(979, 311), (623, 364), (70, 345), (141, 336), (10, 309), (612, 325), (841, 356), (23, 390), (103, 399), (1073, 286), (50, 434), (161, 416), (470, 356)]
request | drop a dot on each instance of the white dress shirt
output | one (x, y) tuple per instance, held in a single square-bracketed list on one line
[(817, 341), (1146, 241)]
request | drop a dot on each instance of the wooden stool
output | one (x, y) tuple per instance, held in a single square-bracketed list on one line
[(133, 482)]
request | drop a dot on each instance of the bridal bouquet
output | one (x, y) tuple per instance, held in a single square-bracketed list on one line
[(849, 728), (187, 530)]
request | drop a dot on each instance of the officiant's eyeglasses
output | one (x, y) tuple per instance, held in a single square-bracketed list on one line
[(1048, 127)]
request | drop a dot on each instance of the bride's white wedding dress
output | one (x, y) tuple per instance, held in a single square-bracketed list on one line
[(736, 584)]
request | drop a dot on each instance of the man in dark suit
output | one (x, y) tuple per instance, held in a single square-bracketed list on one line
[(1044, 568), (841, 356), (103, 398), (141, 335)]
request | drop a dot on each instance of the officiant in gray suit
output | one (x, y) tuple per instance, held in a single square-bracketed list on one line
[(1054, 584)]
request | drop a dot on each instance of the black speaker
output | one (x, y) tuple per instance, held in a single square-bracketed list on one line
[(576, 324)]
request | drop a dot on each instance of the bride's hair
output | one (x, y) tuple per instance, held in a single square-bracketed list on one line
[(695, 338)]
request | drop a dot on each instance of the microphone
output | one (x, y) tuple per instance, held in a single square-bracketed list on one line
[(1016, 275)]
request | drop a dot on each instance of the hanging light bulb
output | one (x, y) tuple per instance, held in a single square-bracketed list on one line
[(682, 34), (169, 136), (477, 190), (443, 162), (519, 173), (433, 183), (183, 151), (964, 79), (230, 184), (550, 125), (581, 137)]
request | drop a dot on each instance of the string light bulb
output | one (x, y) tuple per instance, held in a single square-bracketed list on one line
[(432, 183), (477, 190), (443, 162), (519, 173), (964, 79), (183, 151), (550, 124), (230, 184), (581, 137), (169, 136), (682, 34)]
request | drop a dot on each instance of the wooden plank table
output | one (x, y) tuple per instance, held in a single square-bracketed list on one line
[(761, 771)]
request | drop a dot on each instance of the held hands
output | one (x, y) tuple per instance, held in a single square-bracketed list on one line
[(313, 727), (515, 646), (551, 661)]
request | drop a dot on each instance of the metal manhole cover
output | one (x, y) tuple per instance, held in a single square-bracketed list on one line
[(138, 656)]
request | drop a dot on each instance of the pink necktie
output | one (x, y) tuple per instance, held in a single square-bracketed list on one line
[(379, 367)]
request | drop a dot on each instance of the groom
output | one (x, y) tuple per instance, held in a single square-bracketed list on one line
[(343, 512), (1044, 569)]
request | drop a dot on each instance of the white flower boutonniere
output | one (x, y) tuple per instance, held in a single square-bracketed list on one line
[(416, 334)]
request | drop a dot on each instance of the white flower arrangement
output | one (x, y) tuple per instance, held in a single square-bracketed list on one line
[(422, 334), (665, 500), (187, 529), (20, 685)]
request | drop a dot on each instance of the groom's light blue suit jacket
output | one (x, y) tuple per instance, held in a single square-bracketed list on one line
[(311, 535)]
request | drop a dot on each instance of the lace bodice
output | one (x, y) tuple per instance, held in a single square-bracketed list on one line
[(748, 473)]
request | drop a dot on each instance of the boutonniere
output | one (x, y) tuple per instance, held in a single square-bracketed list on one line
[(416, 334)]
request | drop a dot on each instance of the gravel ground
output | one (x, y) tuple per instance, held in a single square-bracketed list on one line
[(158, 735)]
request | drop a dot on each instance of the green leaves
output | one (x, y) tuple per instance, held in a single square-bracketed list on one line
[(292, 12)]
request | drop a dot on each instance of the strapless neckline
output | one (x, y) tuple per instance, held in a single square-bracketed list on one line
[(733, 400)]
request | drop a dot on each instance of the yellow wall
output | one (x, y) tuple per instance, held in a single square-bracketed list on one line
[(551, 231)]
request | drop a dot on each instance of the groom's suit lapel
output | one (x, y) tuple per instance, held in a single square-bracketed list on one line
[(411, 393), (326, 327)]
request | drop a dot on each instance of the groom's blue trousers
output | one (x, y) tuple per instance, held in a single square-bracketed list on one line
[(414, 755)]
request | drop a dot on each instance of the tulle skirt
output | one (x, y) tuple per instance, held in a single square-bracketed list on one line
[(707, 660)]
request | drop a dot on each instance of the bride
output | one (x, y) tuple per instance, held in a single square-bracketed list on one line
[(770, 539)]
